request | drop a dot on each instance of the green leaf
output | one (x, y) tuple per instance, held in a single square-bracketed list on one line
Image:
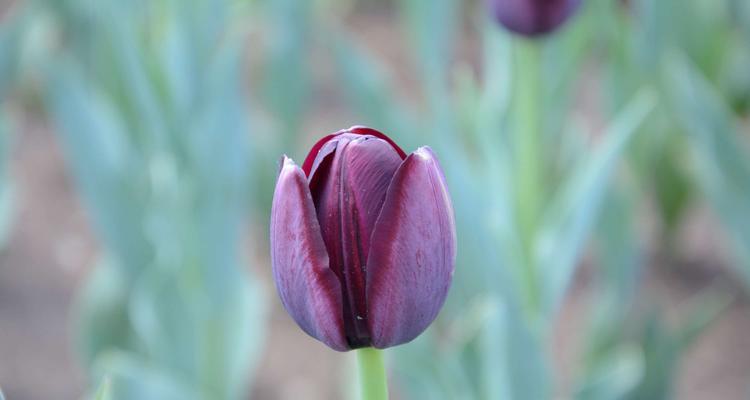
[(104, 162), (740, 9), (495, 100), (619, 250), (286, 70), (562, 59), (6, 186), (528, 365), (131, 377), (100, 313), (574, 210), (672, 187), (493, 342), (370, 90), (104, 391), (188, 326), (10, 38), (664, 348), (614, 376), (721, 156), (432, 26)]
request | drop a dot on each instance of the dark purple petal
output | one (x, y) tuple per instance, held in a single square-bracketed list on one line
[(412, 254), (348, 187), (313, 157), (364, 130), (532, 17), (309, 289)]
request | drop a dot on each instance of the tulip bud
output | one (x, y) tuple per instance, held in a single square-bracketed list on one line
[(532, 17), (363, 240)]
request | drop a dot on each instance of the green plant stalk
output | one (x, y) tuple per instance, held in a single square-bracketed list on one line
[(372, 379), (528, 157)]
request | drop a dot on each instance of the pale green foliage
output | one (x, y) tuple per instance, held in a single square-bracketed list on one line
[(719, 150), (104, 391), (147, 100), (10, 41)]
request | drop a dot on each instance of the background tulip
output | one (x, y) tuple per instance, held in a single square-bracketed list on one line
[(362, 240), (532, 17)]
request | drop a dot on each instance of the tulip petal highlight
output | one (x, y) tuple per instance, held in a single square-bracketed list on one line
[(309, 289), (412, 252)]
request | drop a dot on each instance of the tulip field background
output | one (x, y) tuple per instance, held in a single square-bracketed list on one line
[(606, 258)]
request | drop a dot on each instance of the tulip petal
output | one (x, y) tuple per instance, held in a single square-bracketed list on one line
[(532, 17), (309, 289), (364, 130), (412, 252), (314, 157), (318, 151), (348, 188)]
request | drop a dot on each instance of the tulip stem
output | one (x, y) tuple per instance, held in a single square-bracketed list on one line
[(528, 132), (372, 379)]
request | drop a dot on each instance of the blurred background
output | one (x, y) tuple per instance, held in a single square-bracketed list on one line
[(600, 178)]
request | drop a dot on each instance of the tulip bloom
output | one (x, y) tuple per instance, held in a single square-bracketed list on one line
[(532, 17), (363, 240)]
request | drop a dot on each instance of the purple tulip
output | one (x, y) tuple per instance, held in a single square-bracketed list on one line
[(363, 240), (532, 17)]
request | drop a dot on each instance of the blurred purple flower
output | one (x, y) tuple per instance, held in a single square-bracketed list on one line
[(363, 240), (532, 17)]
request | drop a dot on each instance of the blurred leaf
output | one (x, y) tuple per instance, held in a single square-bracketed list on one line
[(101, 313), (618, 249), (693, 26), (286, 73), (11, 33), (6, 186), (614, 376), (610, 361), (735, 82), (530, 372), (672, 186), (722, 158), (187, 328), (430, 369), (432, 26), (563, 60), (510, 345), (104, 391), (495, 369), (93, 134), (151, 120), (495, 100), (484, 215), (663, 348), (740, 10), (487, 351), (370, 92), (573, 212), (133, 378)]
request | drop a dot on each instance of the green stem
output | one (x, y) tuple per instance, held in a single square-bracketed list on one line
[(529, 158), (372, 378)]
